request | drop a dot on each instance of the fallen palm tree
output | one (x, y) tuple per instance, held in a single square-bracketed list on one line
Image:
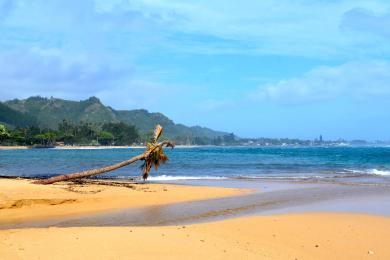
[(152, 156)]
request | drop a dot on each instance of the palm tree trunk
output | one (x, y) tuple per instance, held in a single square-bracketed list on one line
[(88, 173), (151, 148)]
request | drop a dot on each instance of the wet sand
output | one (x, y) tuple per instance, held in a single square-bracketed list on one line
[(186, 225), (22, 202), (265, 198)]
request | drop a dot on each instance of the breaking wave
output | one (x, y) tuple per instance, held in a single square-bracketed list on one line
[(370, 172), (177, 178)]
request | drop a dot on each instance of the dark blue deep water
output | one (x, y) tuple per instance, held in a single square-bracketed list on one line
[(368, 164)]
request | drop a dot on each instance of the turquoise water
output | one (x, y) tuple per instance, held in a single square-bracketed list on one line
[(358, 164)]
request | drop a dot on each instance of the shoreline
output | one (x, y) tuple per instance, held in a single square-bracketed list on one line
[(127, 202), (254, 198), (92, 147), (87, 147), (21, 201), (16, 147)]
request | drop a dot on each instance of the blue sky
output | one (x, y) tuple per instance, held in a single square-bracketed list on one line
[(256, 68)]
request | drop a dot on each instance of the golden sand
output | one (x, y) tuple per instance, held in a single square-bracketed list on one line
[(15, 147), (301, 236), (291, 236), (21, 200)]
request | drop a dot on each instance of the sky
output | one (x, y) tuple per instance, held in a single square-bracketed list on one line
[(270, 68)]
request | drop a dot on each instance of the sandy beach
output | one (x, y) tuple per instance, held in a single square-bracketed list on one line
[(322, 235), (21, 200), (13, 147), (301, 236), (145, 129)]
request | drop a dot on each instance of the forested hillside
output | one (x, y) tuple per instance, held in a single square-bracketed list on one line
[(50, 113)]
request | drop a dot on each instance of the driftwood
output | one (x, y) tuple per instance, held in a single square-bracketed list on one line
[(153, 155)]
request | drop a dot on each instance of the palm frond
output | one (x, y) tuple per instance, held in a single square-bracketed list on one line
[(155, 153)]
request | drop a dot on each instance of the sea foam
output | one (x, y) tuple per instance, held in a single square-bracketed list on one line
[(379, 172), (177, 178), (370, 172)]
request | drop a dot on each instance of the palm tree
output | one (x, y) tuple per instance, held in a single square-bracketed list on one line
[(152, 156), (3, 133)]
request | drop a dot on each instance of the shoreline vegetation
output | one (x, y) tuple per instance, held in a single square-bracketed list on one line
[(322, 235), (45, 121)]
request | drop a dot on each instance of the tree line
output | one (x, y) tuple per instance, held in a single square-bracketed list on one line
[(87, 133), (70, 133)]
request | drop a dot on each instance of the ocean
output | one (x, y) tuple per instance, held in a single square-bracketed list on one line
[(328, 164)]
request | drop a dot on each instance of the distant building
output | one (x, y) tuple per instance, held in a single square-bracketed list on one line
[(321, 139)]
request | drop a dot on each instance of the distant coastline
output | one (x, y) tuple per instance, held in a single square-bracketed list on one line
[(13, 147), (83, 147)]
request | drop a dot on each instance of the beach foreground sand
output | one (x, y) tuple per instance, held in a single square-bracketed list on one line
[(302, 236), (21, 200), (291, 236)]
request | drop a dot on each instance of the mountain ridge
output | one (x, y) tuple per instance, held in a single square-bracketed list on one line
[(49, 112)]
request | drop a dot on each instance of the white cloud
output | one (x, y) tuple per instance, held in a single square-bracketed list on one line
[(301, 28), (358, 80), (298, 28), (53, 73)]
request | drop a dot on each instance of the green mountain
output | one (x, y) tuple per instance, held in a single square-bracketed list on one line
[(12, 117), (49, 112)]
